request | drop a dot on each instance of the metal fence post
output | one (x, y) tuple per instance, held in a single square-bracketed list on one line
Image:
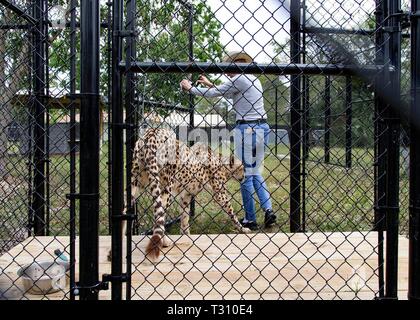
[(117, 162), (89, 151), (73, 8), (191, 103), (414, 242), (379, 145), (131, 132), (39, 201), (392, 28), (327, 119), (295, 121), (349, 110)]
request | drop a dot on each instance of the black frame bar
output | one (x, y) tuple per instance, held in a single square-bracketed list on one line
[(379, 147), (117, 152), (327, 119), (349, 114), (414, 231), (392, 136), (319, 30), (305, 117), (294, 68), (295, 119), (39, 86), (131, 134), (191, 103), (73, 146), (89, 151)]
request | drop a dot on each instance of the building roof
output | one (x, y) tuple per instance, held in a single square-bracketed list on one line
[(57, 99)]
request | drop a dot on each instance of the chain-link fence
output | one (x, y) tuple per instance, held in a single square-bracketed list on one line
[(304, 186)]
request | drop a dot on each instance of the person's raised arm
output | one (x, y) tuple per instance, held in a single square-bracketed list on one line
[(225, 89)]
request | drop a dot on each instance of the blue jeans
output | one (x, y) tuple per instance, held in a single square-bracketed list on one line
[(250, 141)]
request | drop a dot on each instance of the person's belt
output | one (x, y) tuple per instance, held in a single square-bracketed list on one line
[(258, 121)]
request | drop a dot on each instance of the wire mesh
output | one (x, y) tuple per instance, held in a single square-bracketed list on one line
[(337, 200), (322, 164)]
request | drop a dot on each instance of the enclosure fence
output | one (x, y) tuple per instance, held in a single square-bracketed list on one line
[(86, 87)]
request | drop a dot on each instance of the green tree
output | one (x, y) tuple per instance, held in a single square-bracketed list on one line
[(161, 35), (164, 36)]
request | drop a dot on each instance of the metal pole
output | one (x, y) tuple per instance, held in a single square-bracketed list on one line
[(117, 155), (348, 121), (47, 128), (305, 117), (30, 138), (414, 242), (38, 201), (327, 119), (295, 121), (89, 150), (130, 132), (379, 145), (293, 68), (109, 97), (73, 7), (191, 103), (393, 151), (276, 103)]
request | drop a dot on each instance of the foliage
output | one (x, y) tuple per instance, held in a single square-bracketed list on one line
[(164, 25)]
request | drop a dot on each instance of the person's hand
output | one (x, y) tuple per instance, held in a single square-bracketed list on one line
[(186, 85), (204, 81)]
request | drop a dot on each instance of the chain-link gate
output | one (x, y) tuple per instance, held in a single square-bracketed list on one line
[(258, 148)]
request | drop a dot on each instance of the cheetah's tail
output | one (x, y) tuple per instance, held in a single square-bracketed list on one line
[(154, 246)]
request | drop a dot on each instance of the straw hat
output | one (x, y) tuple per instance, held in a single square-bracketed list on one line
[(237, 55)]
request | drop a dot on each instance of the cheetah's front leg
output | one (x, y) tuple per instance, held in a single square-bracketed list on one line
[(185, 213), (222, 199)]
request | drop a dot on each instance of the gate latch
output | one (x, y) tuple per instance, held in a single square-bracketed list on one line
[(110, 278), (100, 286)]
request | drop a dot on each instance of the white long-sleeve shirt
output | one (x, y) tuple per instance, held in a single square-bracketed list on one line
[(246, 92)]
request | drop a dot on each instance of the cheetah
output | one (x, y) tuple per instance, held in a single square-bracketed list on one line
[(171, 169)]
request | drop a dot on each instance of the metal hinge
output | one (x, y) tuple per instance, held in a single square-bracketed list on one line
[(79, 196), (414, 15), (391, 29), (127, 217), (83, 95), (385, 209), (110, 278), (123, 125), (125, 33)]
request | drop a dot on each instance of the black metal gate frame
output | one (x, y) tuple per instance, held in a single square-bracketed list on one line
[(388, 45)]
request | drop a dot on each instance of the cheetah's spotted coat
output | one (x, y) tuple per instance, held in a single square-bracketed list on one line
[(172, 169)]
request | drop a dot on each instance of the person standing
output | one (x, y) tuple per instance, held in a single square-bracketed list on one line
[(251, 133)]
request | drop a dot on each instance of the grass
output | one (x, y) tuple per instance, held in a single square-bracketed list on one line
[(336, 199)]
